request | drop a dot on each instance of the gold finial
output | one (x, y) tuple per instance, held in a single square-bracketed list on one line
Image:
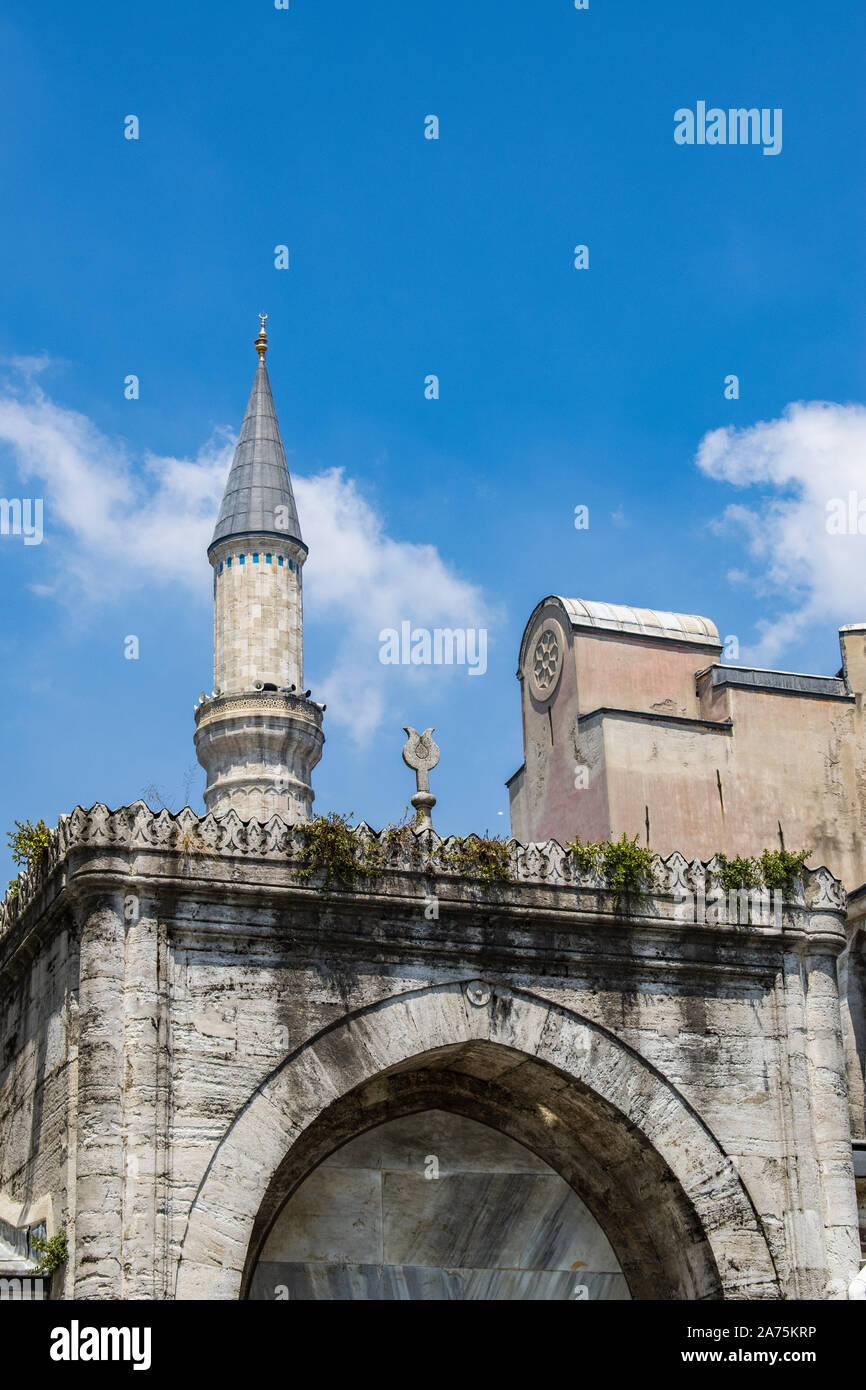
[(261, 343)]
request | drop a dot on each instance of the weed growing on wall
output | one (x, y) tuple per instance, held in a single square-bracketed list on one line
[(627, 866), (28, 843), (485, 857), (738, 873), (331, 848), (52, 1254), (773, 869)]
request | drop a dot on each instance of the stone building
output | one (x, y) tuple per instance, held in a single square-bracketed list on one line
[(224, 1079), (632, 724)]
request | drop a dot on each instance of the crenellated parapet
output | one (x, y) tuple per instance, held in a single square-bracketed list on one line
[(681, 892)]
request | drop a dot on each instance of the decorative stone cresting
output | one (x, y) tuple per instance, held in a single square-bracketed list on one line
[(138, 827)]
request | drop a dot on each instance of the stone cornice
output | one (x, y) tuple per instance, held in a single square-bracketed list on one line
[(230, 545), (245, 703), (187, 850)]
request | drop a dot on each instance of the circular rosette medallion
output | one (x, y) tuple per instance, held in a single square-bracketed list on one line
[(544, 662)]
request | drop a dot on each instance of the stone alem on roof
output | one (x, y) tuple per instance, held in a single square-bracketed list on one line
[(259, 483)]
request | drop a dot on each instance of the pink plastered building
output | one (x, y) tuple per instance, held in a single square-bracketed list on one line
[(632, 723)]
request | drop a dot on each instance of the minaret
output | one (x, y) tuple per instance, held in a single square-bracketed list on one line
[(258, 737)]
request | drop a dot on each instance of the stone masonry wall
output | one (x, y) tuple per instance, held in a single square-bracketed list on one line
[(236, 1026), (38, 1074), (258, 624)]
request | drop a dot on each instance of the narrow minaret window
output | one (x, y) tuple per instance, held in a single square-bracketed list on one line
[(258, 737)]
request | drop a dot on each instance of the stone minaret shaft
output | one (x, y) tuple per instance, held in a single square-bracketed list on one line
[(258, 738)]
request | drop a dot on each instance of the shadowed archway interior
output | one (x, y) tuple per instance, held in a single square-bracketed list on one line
[(435, 1206), (594, 1184)]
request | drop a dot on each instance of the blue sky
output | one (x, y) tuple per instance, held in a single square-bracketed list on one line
[(408, 256)]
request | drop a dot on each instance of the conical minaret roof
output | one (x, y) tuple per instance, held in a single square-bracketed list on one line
[(259, 482)]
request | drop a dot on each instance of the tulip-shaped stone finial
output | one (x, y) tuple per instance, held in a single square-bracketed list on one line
[(421, 754)]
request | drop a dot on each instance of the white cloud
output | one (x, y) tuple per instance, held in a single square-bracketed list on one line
[(29, 367), (364, 581), (100, 516), (104, 515), (814, 453)]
